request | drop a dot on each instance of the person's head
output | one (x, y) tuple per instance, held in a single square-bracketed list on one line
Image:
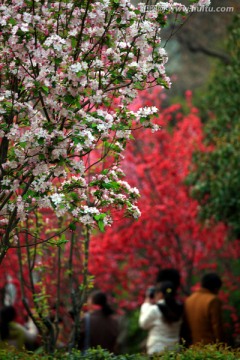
[(211, 282), (171, 310), (165, 290), (7, 314), (169, 274), (99, 298)]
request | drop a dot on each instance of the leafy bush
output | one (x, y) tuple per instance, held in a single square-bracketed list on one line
[(210, 352), (99, 354), (92, 354)]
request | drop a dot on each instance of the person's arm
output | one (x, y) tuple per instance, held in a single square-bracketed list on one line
[(147, 315), (31, 328), (29, 335), (215, 314), (20, 335)]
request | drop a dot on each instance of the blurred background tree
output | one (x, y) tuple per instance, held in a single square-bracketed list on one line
[(215, 176), (196, 45)]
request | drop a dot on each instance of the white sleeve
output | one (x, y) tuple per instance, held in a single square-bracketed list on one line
[(28, 335), (147, 315), (31, 328)]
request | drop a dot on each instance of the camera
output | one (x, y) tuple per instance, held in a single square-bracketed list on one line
[(150, 292)]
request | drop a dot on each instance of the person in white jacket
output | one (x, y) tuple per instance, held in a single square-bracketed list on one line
[(162, 319)]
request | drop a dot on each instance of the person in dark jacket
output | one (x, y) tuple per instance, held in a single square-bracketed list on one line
[(99, 327)]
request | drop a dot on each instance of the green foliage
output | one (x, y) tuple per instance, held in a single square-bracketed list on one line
[(215, 178), (98, 354), (195, 353), (135, 335), (92, 354)]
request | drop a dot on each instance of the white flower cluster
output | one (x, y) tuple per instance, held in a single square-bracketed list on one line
[(55, 41), (67, 123), (57, 198)]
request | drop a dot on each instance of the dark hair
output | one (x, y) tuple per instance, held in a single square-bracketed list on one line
[(99, 298), (171, 309), (7, 314), (169, 274), (212, 282)]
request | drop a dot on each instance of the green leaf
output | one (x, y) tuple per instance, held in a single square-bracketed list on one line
[(138, 86), (41, 141), (41, 157), (74, 196), (23, 144), (69, 99), (58, 61), (101, 225), (12, 21), (74, 42), (131, 73), (99, 216), (38, 298), (30, 193), (45, 89), (111, 185), (72, 226)]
